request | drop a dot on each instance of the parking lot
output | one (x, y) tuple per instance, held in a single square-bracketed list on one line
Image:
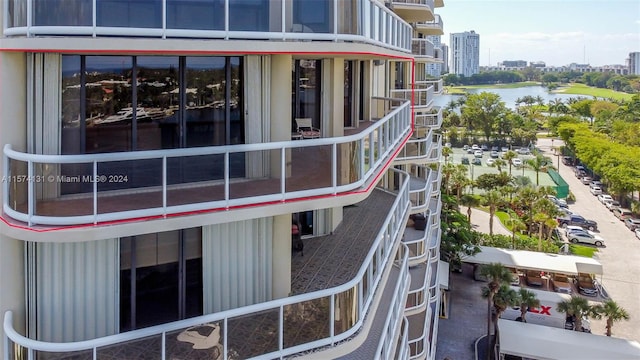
[(620, 257)]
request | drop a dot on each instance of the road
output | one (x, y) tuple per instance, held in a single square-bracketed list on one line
[(620, 257)]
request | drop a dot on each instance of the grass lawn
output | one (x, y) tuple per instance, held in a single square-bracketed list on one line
[(504, 217), (582, 250), (462, 89), (582, 89)]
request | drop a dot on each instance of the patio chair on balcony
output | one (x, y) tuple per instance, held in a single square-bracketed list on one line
[(306, 129)]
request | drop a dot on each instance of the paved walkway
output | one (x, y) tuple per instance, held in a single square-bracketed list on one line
[(480, 222)]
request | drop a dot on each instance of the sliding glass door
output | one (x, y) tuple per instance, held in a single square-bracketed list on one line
[(160, 278)]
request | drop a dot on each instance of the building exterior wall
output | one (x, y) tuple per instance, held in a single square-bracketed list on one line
[(634, 63)]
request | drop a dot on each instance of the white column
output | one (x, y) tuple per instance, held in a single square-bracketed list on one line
[(281, 269), (334, 85), (280, 108), (13, 125)]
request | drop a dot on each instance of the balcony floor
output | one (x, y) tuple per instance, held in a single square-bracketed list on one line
[(334, 259)]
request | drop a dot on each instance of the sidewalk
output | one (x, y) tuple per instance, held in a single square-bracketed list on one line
[(480, 222)]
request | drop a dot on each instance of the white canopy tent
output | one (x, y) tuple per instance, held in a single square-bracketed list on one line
[(547, 343), (531, 260)]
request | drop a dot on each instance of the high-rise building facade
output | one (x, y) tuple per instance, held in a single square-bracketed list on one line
[(445, 58), (163, 160), (634, 63), (465, 53)]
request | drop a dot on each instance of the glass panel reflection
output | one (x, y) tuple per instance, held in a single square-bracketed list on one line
[(203, 341), (195, 14), (346, 311), (253, 15), (18, 191), (312, 16), (147, 348), (311, 168), (254, 334), (306, 321), (129, 13), (17, 13), (62, 12), (158, 100)]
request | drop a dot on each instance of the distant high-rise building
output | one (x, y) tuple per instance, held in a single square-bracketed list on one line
[(445, 58), (537, 64), (634, 63), (434, 69), (465, 53)]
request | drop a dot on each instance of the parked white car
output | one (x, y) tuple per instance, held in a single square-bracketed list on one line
[(478, 153), (490, 162), (612, 204), (596, 190), (604, 198), (516, 162), (587, 237)]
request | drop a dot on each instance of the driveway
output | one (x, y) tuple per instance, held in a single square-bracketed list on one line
[(620, 258)]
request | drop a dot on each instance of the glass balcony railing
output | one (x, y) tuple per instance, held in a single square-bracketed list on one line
[(340, 311), (368, 21), (115, 185)]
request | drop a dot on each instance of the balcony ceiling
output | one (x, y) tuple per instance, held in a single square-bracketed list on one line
[(438, 3), (429, 29), (413, 12)]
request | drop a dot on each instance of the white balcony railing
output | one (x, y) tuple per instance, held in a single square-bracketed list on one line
[(419, 345), (367, 152), (357, 295), (418, 150), (422, 49), (438, 85), (393, 322), (434, 27), (422, 179), (432, 120), (402, 352), (373, 23), (422, 96), (417, 298)]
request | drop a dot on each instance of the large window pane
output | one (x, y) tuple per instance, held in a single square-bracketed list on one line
[(195, 14), (17, 13), (109, 103), (158, 99), (129, 13), (236, 102), (206, 101), (249, 15), (62, 12), (314, 16)]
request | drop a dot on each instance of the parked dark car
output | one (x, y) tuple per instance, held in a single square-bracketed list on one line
[(567, 160), (578, 221), (465, 160)]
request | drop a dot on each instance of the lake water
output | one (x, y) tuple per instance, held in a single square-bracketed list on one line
[(509, 96)]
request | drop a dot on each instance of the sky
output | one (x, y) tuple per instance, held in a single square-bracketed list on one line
[(558, 32)]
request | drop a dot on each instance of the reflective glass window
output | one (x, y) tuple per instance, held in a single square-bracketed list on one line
[(205, 101), (71, 105), (109, 111), (313, 16), (158, 99), (195, 14), (62, 12), (17, 13), (250, 15), (129, 13)]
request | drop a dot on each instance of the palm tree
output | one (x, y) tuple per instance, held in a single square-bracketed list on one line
[(516, 225), (577, 307), (528, 299), (508, 156), (499, 163), (469, 201), (537, 163), (503, 298), (446, 152), (497, 275), (492, 199), (612, 311)]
